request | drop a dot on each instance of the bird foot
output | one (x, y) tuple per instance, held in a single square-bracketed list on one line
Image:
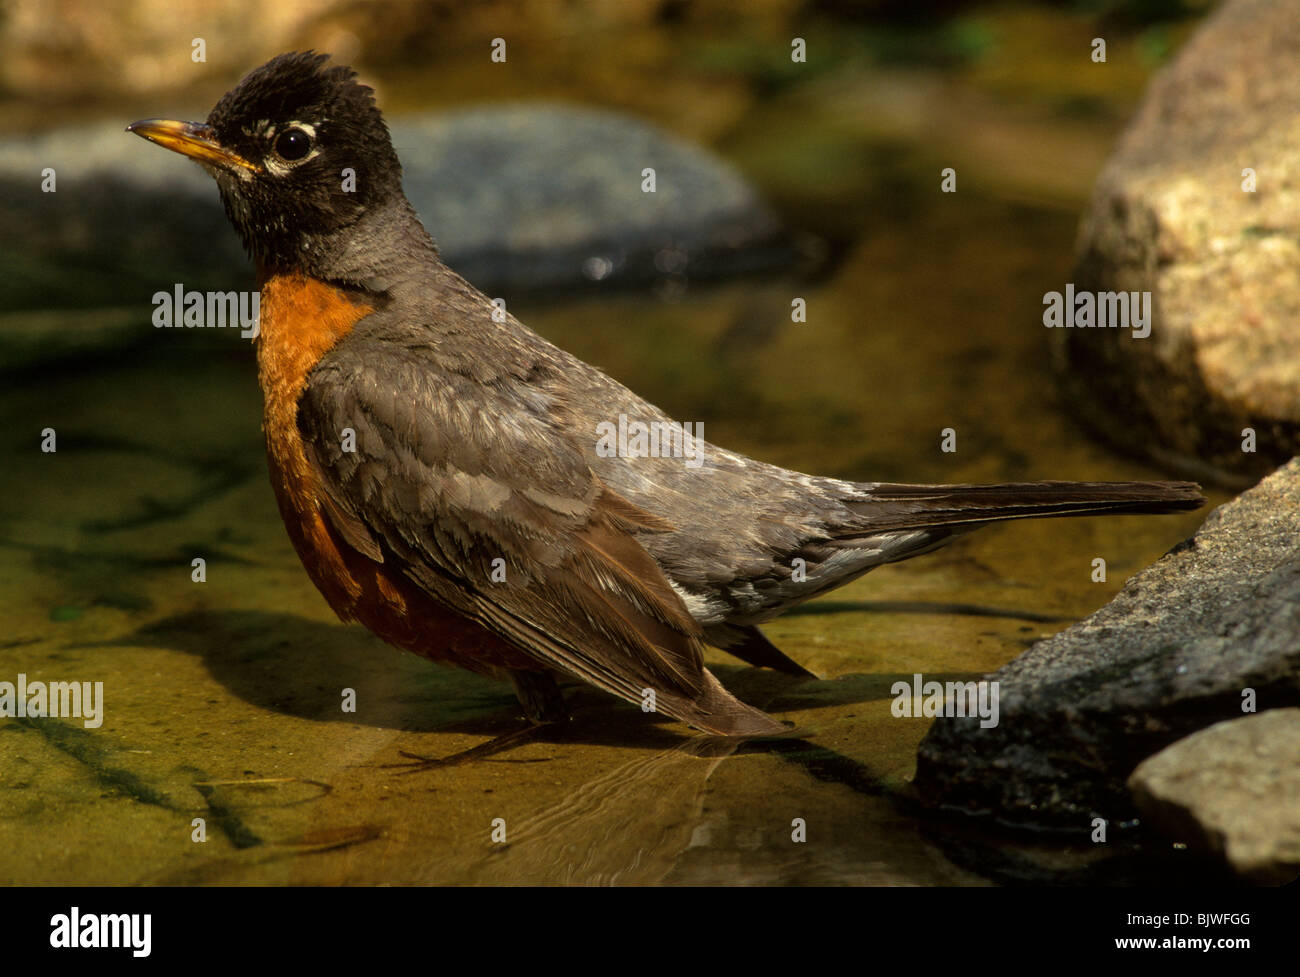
[(498, 744), (540, 696)]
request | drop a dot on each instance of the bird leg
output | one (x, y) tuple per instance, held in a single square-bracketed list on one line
[(540, 696), (543, 704)]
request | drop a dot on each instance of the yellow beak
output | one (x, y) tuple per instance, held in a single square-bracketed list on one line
[(192, 139)]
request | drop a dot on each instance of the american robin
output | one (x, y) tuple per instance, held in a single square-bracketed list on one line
[(442, 471)]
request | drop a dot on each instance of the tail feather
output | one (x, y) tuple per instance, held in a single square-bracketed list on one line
[(897, 506), (715, 710), (927, 516)]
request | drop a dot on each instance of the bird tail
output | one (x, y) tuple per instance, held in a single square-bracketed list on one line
[(896, 506), (715, 710)]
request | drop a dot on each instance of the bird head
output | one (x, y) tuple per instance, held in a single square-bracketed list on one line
[(300, 153)]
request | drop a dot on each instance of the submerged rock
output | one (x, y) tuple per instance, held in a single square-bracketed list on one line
[(1210, 631), (1231, 792), (1173, 214)]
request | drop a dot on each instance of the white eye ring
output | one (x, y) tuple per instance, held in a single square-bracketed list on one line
[(279, 164)]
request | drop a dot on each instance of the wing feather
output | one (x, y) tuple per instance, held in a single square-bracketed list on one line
[(453, 475)]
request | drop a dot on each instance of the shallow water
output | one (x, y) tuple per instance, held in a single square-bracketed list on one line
[(223, 698)]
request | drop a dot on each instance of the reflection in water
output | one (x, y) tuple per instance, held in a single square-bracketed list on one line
[(629, 825)]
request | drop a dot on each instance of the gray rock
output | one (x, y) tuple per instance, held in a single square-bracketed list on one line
[(532, 196), (540, 195), (1231, 792), (126, 220), (1174, 652), (1169, 215)]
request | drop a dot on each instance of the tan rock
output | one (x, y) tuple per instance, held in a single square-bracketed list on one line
[(1169, 215), (1231, 791)]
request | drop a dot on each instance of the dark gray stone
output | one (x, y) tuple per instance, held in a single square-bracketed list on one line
[(1171, 654)]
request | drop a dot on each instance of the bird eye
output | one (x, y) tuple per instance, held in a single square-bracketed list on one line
[(292, 144)]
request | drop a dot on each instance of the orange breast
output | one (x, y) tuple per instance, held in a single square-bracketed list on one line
[(301, 320)]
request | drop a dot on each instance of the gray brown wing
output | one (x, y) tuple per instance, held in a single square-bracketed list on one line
[(453, 479)]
